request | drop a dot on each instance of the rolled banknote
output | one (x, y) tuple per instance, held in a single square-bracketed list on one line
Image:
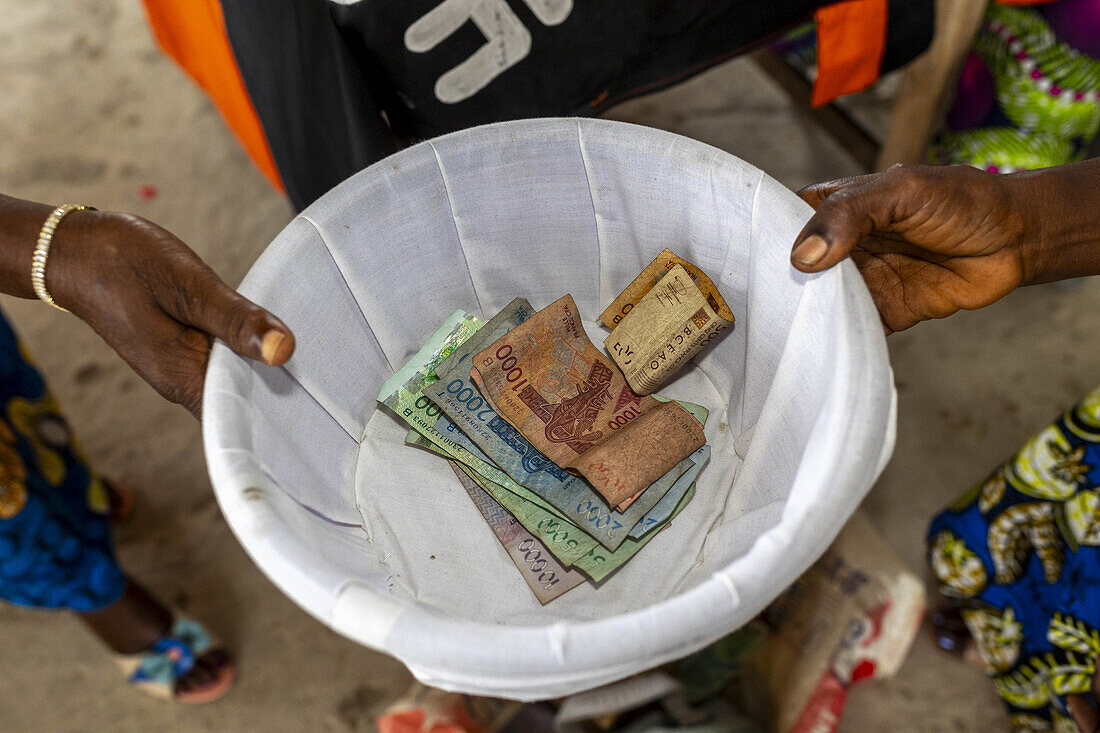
[(546, 577), (668, 325), (571, 495), (569, 401), (650, 276), (700, 413)]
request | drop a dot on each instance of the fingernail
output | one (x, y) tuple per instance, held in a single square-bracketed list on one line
[(269, 347), (810, 251)]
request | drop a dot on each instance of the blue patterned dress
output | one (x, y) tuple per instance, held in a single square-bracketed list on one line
[(1020, 554), (55, 542)]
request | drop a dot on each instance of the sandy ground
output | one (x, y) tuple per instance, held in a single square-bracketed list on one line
[(91, 112)]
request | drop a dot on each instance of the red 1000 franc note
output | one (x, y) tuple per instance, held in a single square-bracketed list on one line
[(571, 402)]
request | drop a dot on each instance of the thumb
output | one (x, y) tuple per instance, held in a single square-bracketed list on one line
[(842, 219), (247, 328), (276, 340), (214, 307)]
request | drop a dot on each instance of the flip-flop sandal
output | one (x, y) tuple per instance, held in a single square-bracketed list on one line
[(157, 670)]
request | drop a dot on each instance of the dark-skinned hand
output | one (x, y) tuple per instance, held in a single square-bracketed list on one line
[(928, 241), (1083, 710), (155, 302)]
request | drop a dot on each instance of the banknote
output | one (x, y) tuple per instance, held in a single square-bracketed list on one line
[(666, 327), (513, 314), (586, 511), (572, 496), (567, 399), (457, 327), (650, 276), (668, 503), (546, 577), (599, 563), (403, 393), (700, 413), (567, 543)]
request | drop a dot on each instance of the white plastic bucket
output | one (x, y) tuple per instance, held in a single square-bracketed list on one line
[(379, 541)]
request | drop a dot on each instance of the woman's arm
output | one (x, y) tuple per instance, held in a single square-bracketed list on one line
[(144, 291), (930, 241), (20, 222), (1063, 210)]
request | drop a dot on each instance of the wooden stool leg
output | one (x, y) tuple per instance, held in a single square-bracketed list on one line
[(927, 82)]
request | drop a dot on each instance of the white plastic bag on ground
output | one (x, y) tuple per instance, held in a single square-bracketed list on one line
[(380, 542)]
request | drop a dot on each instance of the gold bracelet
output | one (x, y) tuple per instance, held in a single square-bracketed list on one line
[(42, 250)]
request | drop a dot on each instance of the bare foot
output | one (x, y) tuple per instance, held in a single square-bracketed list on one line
[(950, 634)]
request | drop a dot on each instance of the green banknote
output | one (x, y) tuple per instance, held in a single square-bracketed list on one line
[(483, 431), (404, 394), (599, 563), (563, 539)]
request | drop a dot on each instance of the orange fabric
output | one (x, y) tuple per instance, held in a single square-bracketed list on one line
[(851, 39), (193, 33)]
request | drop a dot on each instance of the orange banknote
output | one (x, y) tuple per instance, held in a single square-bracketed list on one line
[(549, 381)]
